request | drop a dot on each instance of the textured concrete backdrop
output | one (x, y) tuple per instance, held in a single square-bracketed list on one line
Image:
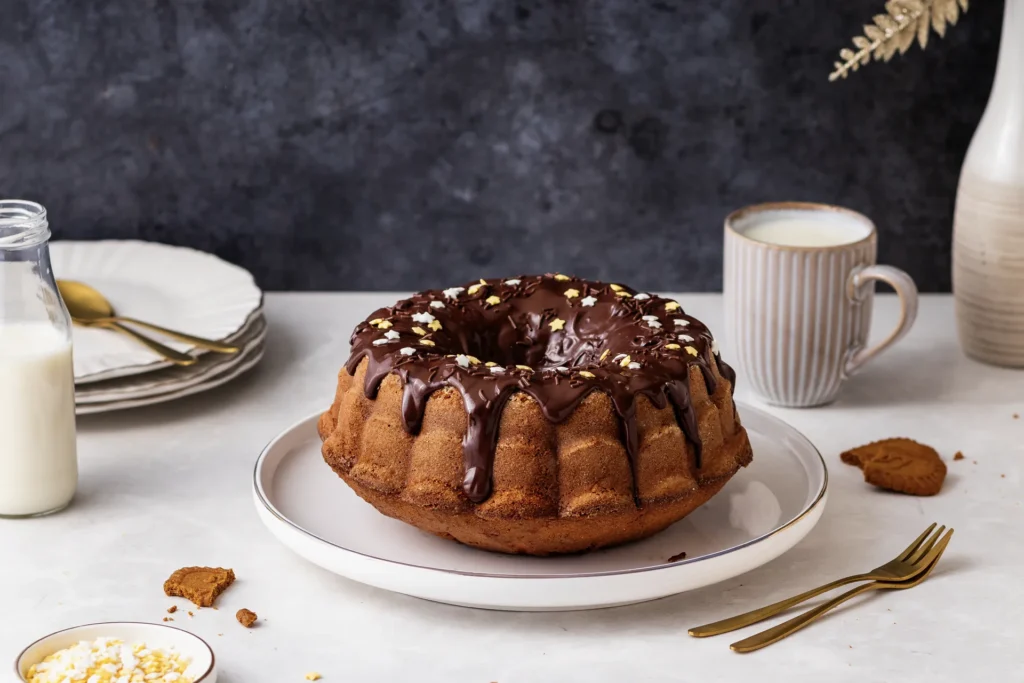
[(372, 144)]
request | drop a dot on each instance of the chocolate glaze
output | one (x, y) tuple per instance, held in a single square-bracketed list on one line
[(564, 348)]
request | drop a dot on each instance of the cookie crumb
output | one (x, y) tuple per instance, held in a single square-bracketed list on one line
[(958, 456), (246, 617), (899, 464), (676, 558), (172, 609), (1016, 416), (201, 585), (313, 676), (1002, 476), (190, 614), (168, 618)]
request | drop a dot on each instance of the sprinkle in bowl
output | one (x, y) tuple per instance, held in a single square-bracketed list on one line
[(157, 638)]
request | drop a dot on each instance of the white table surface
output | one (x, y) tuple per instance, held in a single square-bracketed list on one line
[(169, 486)]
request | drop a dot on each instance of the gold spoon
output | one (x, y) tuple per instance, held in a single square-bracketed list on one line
[(90, 308), (87, 303)]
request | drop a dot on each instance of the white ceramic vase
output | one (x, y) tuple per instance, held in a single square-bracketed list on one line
[(988, 227)]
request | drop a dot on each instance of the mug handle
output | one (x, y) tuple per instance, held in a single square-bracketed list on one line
[(907, 291)]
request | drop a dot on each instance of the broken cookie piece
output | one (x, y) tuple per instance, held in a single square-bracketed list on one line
[(861, 454), (246, 617), (901, 465), (201, 585)]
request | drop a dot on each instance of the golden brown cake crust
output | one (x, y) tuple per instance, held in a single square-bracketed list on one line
[(542, 535), (547, 500), (600, 459)]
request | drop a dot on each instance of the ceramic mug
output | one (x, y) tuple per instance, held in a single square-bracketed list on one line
[(799, 283)]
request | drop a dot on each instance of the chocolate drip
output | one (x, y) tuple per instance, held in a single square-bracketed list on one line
[(553, 338), (414, 400), (484, 412), (726, 371), (709, 377), (625, 407), (686, 415)]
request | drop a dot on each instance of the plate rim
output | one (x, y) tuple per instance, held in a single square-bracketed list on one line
[(157, 364), (262, 499), (85, 409), (206, 373)]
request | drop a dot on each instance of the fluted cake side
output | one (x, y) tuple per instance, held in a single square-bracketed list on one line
[(556, 487)]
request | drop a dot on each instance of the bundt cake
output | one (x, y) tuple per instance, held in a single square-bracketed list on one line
[(535, 415)]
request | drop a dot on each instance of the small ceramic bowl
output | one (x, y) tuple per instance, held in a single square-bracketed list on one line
[(202, 668)]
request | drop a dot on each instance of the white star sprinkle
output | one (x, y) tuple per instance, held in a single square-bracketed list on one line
[(588, 301), (634, 366), (453, 292), (436, 304), (714, 346), (642, 296), (407, 351), (497, 370), (462, 360), (391, 334), (618, 358), (381, 342), (649, 318), (512, 282), (424, 318), (685, 338), (681, 322), (654, 323)]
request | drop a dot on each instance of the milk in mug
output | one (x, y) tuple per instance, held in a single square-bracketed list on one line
[(38, 461), (799, 231)]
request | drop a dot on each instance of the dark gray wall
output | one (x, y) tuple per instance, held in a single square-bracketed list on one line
[(343, 144)]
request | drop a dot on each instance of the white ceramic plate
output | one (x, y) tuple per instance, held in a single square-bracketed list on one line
[(175, 287), (202, 667), (175, 377), (761, 513), (246, 362)]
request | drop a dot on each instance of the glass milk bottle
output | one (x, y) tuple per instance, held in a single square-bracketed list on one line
[(38, 461)]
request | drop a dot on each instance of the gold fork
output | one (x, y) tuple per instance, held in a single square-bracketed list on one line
[(777, 633), (905, 566)]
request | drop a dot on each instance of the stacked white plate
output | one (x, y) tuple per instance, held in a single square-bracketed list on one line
[(175, 287)]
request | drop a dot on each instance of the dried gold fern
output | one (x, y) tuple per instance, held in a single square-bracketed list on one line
[(895, 31)]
